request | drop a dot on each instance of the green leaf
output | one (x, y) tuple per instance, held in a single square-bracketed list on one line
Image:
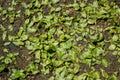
[(11, 20), (113, 77), (55, 1), (4, 11), (90, 21), (10, 27), (82, 4), (57, 63), (17, 74), (4, 35), (104, 74), (95, 4), (27, 12), (5, 50), (20, 31), (30, 24), (18, 43), (2, 28), (10, 8), (7, 60), (2, 67), (118, 53), (115, 53), (67, 44), (11, 57), (76, 69), (98, 51), (58, 9), (69, 77), (119, 60), (86, 55), (51, 32), (112, 47), (24, 37), (33, 68), (83, 14), (26, 21), (115, 37), (76, 6), (96, 75), (37, 56), (62, 74), (104, 62), (40, 16), (1, 58), (51, 78), (37, 4), (82, 76), (45, 70)]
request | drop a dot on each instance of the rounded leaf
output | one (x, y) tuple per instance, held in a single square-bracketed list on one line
[(112, 47)]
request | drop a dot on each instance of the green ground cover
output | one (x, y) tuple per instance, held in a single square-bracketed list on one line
[(59, 40)]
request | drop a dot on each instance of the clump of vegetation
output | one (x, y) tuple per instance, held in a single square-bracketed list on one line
[(76, 40)]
